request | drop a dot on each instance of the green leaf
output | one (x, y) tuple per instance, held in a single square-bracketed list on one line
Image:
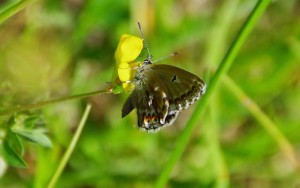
[(15, 142), (19, 119), (13, 150), (117, 89), (35, 135), (33, 120)]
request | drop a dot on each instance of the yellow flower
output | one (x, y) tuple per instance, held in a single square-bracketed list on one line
[(127, 51)]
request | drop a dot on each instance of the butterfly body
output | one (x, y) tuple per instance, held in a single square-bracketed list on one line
[(160, 93)]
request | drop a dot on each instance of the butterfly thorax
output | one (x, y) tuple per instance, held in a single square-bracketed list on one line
[(142, 74)]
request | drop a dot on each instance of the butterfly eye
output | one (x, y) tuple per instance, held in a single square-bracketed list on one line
[(147, 62)]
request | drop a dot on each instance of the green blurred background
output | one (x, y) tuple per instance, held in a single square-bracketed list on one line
[(59, 48)]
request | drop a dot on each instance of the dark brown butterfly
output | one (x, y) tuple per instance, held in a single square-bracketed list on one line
[(160, 93)]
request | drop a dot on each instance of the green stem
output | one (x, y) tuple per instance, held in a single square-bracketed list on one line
[(264, 120), (215, 46), (4, 15), (70, 149), (212, 138), (52, 101), (223, 68)]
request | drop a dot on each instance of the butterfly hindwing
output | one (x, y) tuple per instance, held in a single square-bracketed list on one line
[(128, 105)]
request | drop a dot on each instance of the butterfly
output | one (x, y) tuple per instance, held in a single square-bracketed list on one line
[(160, 93)]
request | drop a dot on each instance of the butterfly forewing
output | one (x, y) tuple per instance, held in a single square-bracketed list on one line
[(183, 88)]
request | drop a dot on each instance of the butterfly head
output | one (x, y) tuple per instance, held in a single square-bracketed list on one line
[(147, 62)]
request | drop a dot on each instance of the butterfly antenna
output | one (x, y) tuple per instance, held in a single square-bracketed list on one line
[(146, 44), (166, 57)]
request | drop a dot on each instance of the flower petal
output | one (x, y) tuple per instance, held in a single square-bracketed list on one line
[(127, 51)]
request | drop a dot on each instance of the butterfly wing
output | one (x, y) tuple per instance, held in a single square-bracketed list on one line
[(182, 87), (160, 93), (152, 107)]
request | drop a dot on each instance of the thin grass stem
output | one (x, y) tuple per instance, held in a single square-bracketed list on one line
[(12, 10), (70, 149), (52, 101), (284, 144)]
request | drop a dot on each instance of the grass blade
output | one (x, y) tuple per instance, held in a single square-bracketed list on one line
[(264, 120), (10, 11), (70, 149)]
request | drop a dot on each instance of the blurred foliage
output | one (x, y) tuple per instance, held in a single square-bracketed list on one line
[(59, 48)]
